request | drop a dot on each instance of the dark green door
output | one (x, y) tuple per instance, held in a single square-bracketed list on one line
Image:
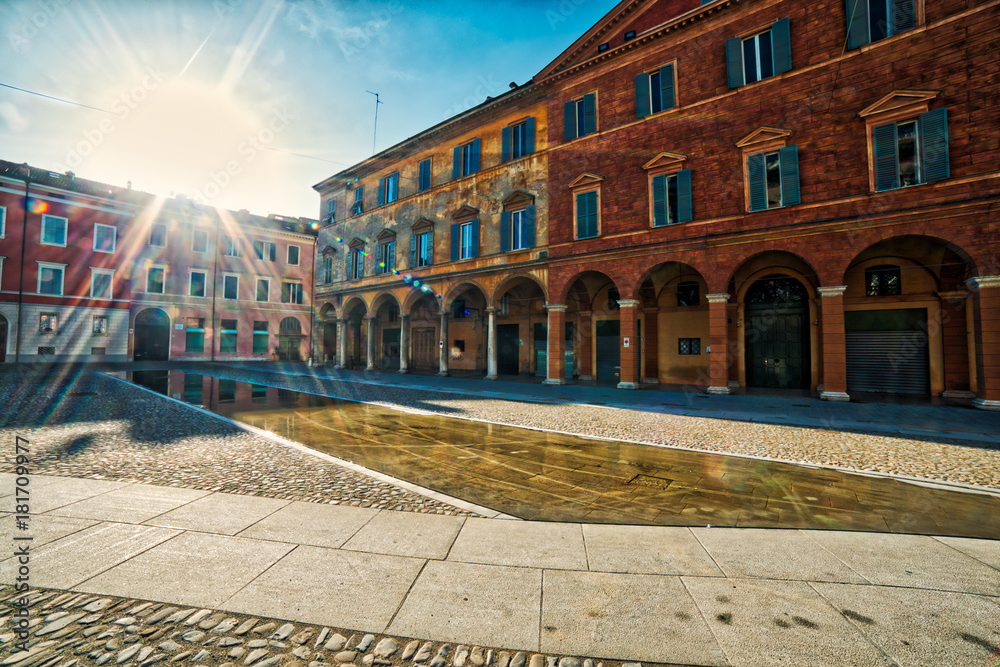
[(609, 353), (777, 334), (390, 349), (508, 349)]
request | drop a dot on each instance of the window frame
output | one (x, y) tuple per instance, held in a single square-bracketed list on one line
[(765, 141), (689, 353), (467, 158), (422, 172), (327, 268), (262, 256), (114, 238), (194, 238), (781, 53), (259, 334), (359, 200), (163, 282), (288, 255), (94, 272), (267, 288), (198, 332), (53, 321), (53, 266), (153, 228), (3, 222), (670, 165), (421, 244), (229, 337), (232, 248), (385, 255), (916, 108), (518, 139), (466, 231), (94, 328), (852, 36), (65, 230), (288, 287), (356, 261), (204, 287), (388, 188), (225, 289), (579, 111), (644, 90), (880, 270)]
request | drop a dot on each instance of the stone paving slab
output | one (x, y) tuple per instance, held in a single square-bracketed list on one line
[(605, 615), (521, 544), (130, 504), (191, 569), (43, 529), (760, 623), (773, 554), (311, 523), (987, 551), (396, 534), (470, 603), (646, 550), (920, 627), (73, 559), (221, 513), (61, 491), (332, 587), (914, 561)]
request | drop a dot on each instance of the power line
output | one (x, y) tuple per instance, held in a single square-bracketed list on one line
[(310, 157), (57, 99)]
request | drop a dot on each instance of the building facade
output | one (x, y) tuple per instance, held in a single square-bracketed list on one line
[(217, 285), (432, 252), (65, 279), (773, 195)]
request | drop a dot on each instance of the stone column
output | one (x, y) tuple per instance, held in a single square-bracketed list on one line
[(491, 344), (834, 344), (986, 324), (443, 347), (630, 351), (371, 343), (342, 346), (718, 339), (556, 352), (650, 335), (404, 344), (586, 345)]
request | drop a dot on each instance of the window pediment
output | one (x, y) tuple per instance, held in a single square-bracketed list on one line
[(518, 199), (916, 100), (386, 235), (356, 243), (665, 160), (585, 179), (465, 212), (329, 250), (763, 135), (422, 225)]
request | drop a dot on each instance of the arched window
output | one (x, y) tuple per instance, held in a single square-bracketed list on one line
[(883, 280), (688, 293), (776, 290), (290, 326)]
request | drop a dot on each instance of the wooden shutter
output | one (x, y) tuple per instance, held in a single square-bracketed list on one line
[(505, 141), (781, 46), (934, 145), (569, 121), (590, 113), (641, 95), (381, 191), (734, 62), (659, 200), (475, 157), (903, 16), (857, 23), (581, 215), (413, 250), (378, 257), (667, 87), (455, 237), (456, 168), (505, 231), (348, 262), (758, 184), (788, 166), (528, 232), (474, 252), (886, 162), (429, 258), (529, 130), (684, 195)]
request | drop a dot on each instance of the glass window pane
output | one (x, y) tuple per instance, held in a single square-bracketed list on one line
[(655, 101), (672, 199), (750, 60), (772, 173), (906, 137), (764, 52), (878, 19)]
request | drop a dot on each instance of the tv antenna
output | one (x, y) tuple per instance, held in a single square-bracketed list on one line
[(375, 131)]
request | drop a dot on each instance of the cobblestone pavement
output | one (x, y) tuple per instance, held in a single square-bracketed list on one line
[(97, 427), (70, 629)]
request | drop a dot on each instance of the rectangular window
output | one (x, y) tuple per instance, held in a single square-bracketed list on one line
[(199, 240), (3, 222), (671, 198), (466, 243), (53, 230), (227, 337), (517, 229), (587, 215), (260, 337), (232, 247), (291, 292), (580, 117), (158, 235), (385, 259), (99, 326), (388, 188), (48, 323), (422, 250), (327, 269), (196, 284), (50, 279), (911, 152), (194, 338), (230, 287), (883, 281), (759, 56), (464, 240), (466, 159), (293, 255), (155, 280), (258, 392), (654, 91), (227, 390), (871, 20), (518, 140), (104, 238), (458, 309), (331, 209), (689, 346), (263, 289), (359, 200), (688, 294), (100, 283), (424, 177), (356, 264), (265, 250), (773, 178)]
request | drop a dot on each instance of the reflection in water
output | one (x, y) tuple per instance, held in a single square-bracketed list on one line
[(546, 476)]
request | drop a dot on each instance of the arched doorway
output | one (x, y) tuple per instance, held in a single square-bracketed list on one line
[(290, 339), (777, 333), (152, 336)]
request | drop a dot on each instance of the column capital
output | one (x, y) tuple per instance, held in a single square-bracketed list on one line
[(718, 298), (368, 318), (404, 316), (833, 290), (491, 310), (629, 303), (556, 307), (980, 282)]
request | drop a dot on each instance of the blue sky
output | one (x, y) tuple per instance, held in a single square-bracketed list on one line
[(214, 98)]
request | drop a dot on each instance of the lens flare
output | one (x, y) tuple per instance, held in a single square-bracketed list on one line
[(37, 206)]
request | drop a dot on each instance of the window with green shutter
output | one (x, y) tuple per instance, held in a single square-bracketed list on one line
[(518, 140), (424, 177), (766, 54), (587, 214), (260, 337), (580, 117), (773, 178), (654, 91), (911, 152), (227, 340), (671, 198), (466, 159), (871, 20)]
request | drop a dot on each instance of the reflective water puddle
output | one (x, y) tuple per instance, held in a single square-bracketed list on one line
[(544, 476)]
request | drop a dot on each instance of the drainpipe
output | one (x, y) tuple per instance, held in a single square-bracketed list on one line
[(20, 284), (215, 285)]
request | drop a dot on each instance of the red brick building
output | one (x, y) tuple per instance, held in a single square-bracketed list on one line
[(778, 195)]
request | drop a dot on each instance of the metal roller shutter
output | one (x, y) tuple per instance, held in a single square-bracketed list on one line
[(893, 362)]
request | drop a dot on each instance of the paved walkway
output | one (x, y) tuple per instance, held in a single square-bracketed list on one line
[(704, 596)]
